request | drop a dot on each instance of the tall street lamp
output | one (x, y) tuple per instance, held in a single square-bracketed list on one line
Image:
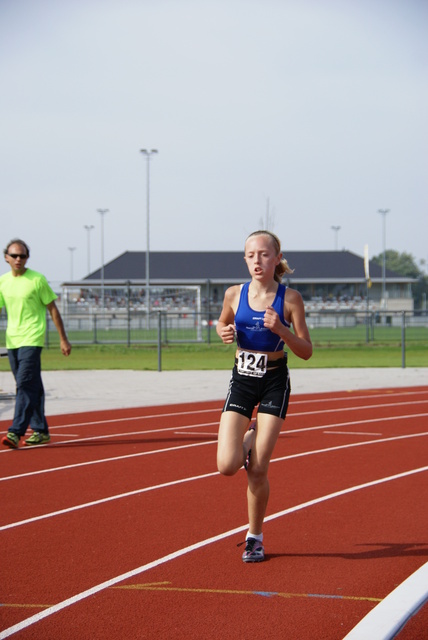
[(102, 213), (148, 155), (89, 228), (383, 213), (71, 249), (336, 229)]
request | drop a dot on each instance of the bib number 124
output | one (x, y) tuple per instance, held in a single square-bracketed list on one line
[(252, 364)]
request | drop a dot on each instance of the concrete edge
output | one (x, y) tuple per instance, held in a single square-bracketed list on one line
[(387, 619)]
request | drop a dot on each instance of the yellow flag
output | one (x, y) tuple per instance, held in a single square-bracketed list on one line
[(366, 265)]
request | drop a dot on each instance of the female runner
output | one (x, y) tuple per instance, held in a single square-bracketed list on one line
[(259, 315)]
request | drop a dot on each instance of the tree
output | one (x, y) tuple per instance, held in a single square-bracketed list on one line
[(404, 264)]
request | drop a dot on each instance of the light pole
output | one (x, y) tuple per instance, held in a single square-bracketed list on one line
[(89, 228), (383, 213), (71, 249), (148, 155), (102, 213), (336, 229)]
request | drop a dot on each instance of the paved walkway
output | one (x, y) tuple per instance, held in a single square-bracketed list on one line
[(77, 391)]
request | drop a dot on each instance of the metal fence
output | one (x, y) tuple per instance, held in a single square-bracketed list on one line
[(161, 328)]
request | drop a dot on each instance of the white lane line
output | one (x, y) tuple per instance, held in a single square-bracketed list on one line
[(353, 433), (210, 424), (121, 419), (219, 408), (189, 446), (368, 421), (196, 433), (349, 446), (194, 547), (103, 460), (390, 616), (361, 396), (205, 424), (127, 494), (141, 432), (121, 434), (94, 503), (68, 435), (359, 408)]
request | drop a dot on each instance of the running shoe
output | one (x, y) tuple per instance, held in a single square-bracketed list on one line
[(38, 438), (254, 551), (11, 440)]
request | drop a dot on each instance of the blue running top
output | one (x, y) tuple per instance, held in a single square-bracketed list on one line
[(250, 332)]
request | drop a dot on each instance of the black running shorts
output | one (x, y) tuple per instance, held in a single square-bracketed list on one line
[(271, 392)]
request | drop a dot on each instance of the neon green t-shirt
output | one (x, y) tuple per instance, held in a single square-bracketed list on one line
[(25, 298)]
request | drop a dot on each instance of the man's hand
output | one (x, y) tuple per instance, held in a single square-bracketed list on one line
[(65, 347)]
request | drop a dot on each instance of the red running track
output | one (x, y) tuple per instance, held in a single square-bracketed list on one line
[(122, 527)]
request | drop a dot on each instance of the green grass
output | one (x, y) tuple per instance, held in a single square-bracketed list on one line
[(346, 336), (218, 356), (333, 348)]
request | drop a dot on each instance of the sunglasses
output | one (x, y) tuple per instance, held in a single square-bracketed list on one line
[(23, 256)]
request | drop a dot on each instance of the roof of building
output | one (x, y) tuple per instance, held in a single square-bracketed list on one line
[(229, 266)]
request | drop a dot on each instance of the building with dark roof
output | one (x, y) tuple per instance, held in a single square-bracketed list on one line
[(324, 275)]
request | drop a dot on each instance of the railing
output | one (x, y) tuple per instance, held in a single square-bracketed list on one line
[(163, 328)]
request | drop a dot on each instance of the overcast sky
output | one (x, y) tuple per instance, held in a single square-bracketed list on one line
[(314, 111)]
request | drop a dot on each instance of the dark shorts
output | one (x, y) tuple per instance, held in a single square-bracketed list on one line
[(271, 392)]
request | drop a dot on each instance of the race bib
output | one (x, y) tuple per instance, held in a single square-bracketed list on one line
[(252, 364)]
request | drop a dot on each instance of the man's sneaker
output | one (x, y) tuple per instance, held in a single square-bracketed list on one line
[(254, 551), (38, 438), (11, 440)]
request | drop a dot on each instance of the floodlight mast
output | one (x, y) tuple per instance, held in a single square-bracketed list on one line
[(383, 213), (102, 213), (148, 155), (336, 229), (89, 228), (71, 249)]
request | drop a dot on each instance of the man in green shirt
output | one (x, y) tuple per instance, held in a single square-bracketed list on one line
[(26, 295)]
